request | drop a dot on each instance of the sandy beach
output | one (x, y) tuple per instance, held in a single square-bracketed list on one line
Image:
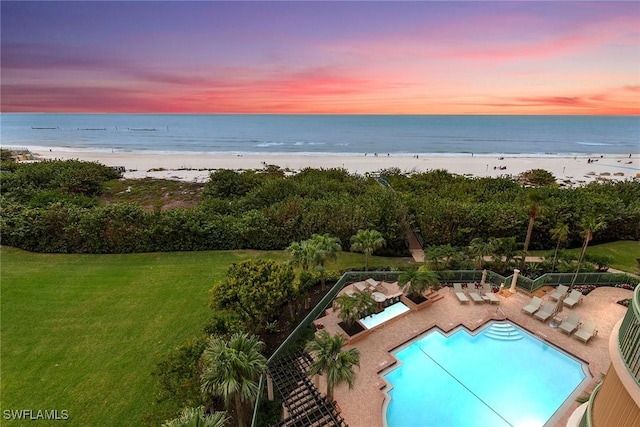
[(197, 167)]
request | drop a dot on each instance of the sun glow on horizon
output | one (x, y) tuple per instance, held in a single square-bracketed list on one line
[(312, 57)]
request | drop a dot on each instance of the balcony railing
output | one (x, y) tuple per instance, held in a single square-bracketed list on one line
[(629, 337)]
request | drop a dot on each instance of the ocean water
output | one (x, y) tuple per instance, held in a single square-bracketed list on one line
[(323, 134)]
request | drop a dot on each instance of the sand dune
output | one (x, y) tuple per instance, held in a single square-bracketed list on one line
[(196, 167)]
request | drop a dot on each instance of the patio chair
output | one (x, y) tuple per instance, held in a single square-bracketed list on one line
[(570, 324), (371, 283), (533, 306), (457, 288), (560, 290), (489, 295), (361, 287), (586, 331), (573, 298), (381, 288), (548, 309), (473, 293)]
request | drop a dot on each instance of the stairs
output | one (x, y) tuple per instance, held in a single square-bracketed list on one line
[(503, 332), (433, 296)]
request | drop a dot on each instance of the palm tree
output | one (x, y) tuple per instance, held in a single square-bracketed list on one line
[(367, 242), (304, 253), (233, 369), (414, 282), (536, 206), (504, 249), (448, 252), (560, 233), (478, 248), (332, 360), (328, 248), (440, 256), (195, 417), (590, 225), (352, 308), (347, 308), (365, 304)]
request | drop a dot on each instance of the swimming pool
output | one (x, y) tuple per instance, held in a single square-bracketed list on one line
[(499, 376), (385, 315)]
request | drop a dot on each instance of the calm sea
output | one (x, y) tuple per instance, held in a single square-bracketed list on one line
[(324, 134)]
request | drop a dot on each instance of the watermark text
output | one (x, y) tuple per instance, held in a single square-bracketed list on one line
[(35, 414)]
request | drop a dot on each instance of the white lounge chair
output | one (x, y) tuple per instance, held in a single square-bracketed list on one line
[(533, 306), (457, 287), (473, 293), (573, 298), (548, 309), (560, 290), (361, 286), (570, 324), (586, 331), (489, 295), (372, 283)]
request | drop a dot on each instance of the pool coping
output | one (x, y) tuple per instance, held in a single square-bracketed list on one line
[(385, 386)]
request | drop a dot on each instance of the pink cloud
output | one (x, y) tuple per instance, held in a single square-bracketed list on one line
[(230, 91), (610, 102)]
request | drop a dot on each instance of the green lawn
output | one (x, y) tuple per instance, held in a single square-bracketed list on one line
[(624, 254), (82, 333)]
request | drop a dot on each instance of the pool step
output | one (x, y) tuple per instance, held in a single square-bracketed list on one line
[(503, 331)]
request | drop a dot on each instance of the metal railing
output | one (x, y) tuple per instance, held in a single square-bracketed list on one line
[(301, 329), (629, 337), (586, 420)]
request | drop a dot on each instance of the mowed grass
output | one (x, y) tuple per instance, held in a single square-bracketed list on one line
[(83, 333), (624, 253)]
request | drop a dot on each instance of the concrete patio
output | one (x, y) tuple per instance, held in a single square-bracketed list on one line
[(363, 405)]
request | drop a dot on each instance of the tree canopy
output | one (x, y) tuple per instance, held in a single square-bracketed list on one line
[(255, 289)]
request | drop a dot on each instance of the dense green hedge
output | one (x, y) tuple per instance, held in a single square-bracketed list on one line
[(450, 209), (255, 209), (54, 206)]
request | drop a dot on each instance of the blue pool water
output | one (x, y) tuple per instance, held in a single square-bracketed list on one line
[(501, 376)]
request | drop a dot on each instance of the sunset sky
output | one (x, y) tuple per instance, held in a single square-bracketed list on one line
[(507, 57)]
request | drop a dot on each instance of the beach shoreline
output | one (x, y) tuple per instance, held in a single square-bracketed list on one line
[(197, 166)]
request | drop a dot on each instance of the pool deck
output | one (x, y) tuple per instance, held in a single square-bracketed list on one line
[(362, 405)]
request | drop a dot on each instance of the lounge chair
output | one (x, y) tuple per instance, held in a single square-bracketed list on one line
[(473, 293), (533, 306), (573, 298), (560, 290), (547, 310), (372, 283), (570, 324), (361, 286), (489, 295), (381, 288), (459, 294), (586, 331)]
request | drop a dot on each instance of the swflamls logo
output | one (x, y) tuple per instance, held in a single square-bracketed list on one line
[(35, 414)]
